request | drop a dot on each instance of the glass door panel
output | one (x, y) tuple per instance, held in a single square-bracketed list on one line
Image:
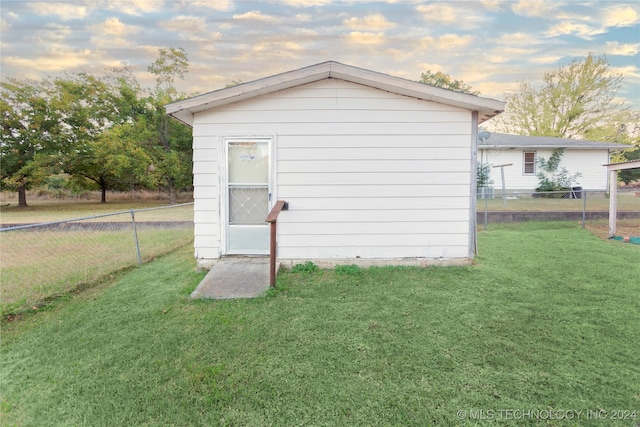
[(248, 196)]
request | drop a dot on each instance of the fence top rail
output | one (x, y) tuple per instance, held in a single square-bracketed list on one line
[(84, 218), (162, 207)]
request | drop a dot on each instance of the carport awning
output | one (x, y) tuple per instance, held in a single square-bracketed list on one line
[(612, 169), (632, 164)]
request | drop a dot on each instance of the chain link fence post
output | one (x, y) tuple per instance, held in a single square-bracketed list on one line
[(135, 236), (486, 211), (40, 261), (584, 208)]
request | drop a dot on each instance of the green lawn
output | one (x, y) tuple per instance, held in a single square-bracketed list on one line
[(40, 262), (40, 211), (547, 320), (37, 265), (599, 203)]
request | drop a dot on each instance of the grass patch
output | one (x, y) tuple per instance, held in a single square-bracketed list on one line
[(37, 265), (40, 211), (530, 204), (546, 320), (45, 261)]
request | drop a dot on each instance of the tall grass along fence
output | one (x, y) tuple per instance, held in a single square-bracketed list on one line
[(42, 260), (589, 208)]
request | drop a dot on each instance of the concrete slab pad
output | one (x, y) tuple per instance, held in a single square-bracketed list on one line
[(241, 277)]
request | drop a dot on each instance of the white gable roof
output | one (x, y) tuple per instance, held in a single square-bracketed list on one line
[(185, 109)]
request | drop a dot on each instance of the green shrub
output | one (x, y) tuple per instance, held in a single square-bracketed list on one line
[(552, 177), (307, 267)]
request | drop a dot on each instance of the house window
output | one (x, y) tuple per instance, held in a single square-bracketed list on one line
[(529, 162)]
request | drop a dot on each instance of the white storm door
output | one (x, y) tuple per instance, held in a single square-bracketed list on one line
[(248, 196)]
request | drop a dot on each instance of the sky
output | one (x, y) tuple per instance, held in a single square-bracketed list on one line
[(491, 45)]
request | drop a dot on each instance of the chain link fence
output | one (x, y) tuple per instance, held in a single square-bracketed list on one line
[(588, 208), (42, 260)]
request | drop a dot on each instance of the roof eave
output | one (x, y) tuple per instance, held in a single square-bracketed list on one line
[(485, 106), (565, 147), (185, 109)]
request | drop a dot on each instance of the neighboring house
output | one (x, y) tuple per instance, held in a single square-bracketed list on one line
[(523, 152), (375, 168)]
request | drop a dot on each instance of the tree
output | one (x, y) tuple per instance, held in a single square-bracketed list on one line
[(575, 101), (630, 175), (104, 132), (30, 134), (171, 147), (440, 79), (94, 112)]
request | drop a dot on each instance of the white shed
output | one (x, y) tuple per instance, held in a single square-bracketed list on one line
[(375, 168)]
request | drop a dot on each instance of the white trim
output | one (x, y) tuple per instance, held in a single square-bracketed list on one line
[(524, 163), (185, 110), (473, 197)]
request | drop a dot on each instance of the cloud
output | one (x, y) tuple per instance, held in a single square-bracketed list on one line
[(56, 32), (5, 20), (511, 52), (545, 59), (374, 22), (630, 72), (303, 17), (66, 11), (439, 12), (399, 55), (571, 28), (112, 34), (516, 39), (493, 5), (367, 38), (493, 89), (185, 24), (623, 49), (454, 41), (444, 13), (255, 15), (620, 16), (496, 59), (267, 49), (219, 5), (305, 3), (534, 8), (133, 7), (446, 42), (55, 60), (114, 27)]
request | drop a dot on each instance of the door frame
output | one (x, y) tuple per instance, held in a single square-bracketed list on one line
[(224, 191)]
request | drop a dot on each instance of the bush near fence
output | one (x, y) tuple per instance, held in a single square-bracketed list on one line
[(42, 260)]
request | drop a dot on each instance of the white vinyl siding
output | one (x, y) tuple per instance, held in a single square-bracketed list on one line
[(206, 195), (586, 161), (367, 173)]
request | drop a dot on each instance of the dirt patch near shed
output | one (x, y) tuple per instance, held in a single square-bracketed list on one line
[(623, 228)]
